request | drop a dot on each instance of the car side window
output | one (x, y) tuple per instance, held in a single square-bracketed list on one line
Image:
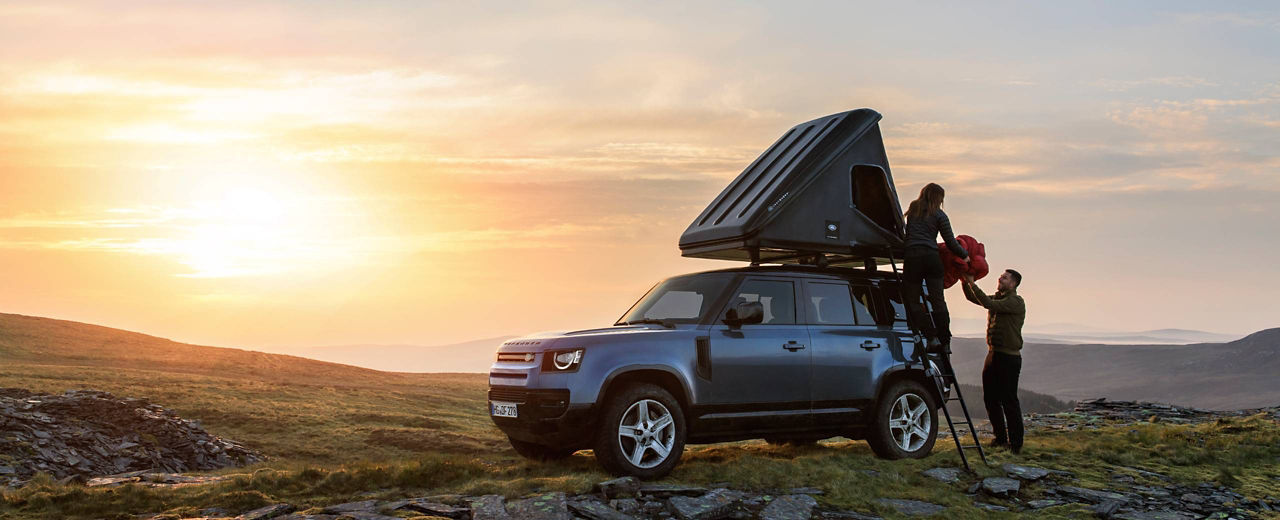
[(893, 311), (864, 304), (778, 298), (829, 304)]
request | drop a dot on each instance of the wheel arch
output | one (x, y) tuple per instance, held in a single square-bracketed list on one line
[(659, 375), (913, 374)]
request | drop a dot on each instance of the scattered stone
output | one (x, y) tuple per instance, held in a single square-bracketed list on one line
[(1092, 495), (789, 507), (989, 507), (364, 515), (548, 506), (805, 491), (1192, 498), (1106, 509), (1156, 515), (912, 507), (628, 506), (597, 511), (84, 434), (973, 489), (489, 507), (667, 490), (1027, 473), (429, 507), (1000, 486), (364, 506), (270, 511), (947, 475), (848, 515), (1043, 503), (719, 503), (621, 487)]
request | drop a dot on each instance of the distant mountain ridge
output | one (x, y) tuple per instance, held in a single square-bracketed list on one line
[(1220, 376)]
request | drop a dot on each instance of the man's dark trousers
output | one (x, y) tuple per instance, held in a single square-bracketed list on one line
[(1000, 394)]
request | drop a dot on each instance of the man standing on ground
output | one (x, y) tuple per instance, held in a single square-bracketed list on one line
[(1005, 313)]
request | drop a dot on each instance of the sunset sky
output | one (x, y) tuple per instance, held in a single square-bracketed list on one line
[(273, 175)]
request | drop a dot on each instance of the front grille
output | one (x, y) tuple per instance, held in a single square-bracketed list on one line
[(516, 356), (533, 403), (512, 395)]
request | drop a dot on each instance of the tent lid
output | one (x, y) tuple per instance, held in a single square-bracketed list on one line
[(824, 187)]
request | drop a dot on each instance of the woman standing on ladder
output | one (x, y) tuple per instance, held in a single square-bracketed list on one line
[(925, 220)]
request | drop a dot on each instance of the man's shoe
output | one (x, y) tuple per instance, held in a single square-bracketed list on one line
[(1017, 450)]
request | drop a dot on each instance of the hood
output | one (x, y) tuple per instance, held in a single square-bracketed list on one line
[(540, 341)]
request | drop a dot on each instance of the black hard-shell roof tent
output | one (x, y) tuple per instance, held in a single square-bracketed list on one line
[(823, 193)]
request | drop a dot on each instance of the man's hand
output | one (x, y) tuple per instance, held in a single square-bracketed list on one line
[(968, 278)]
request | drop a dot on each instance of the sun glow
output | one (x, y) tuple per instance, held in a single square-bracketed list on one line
[(256, 229)]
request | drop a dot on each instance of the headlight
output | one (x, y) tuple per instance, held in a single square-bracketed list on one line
[(567, 360)]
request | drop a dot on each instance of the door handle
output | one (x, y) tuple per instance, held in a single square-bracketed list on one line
[(793, 346), (870, 345)]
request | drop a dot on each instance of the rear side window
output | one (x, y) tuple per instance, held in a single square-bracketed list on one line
[(830, 304), (778, 298), (864, 303), (893, 313)]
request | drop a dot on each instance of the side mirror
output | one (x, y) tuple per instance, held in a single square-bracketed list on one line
[(746, 313)]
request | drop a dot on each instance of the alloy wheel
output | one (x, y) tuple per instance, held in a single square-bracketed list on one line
[(909, 422), (646, 433)]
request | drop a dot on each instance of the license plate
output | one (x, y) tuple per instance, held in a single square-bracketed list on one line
[(500, 409)]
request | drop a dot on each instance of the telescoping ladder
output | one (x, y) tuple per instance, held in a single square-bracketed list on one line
[(945, 376)]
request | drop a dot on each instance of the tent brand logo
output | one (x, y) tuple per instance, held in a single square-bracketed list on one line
[(779, 201), (833, 230)]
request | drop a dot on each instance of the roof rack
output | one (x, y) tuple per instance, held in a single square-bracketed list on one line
[(822, 194)]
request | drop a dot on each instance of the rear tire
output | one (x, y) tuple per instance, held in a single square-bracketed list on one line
[(905, 425), (539, 452), (641, 432)]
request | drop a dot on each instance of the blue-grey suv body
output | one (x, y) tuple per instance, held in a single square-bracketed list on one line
[(788, 354)]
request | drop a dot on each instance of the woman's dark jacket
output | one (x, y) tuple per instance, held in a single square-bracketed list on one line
[(922, 233)]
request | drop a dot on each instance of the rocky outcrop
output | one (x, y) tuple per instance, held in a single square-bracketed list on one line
[(84, 434)]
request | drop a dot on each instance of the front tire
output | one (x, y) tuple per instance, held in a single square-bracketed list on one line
[(641, 433), (539, 452), (905, 425)]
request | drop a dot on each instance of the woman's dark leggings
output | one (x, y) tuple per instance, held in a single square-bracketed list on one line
[(924, 265), (1000, 394)]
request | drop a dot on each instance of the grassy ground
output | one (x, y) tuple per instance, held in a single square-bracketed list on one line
[(428, 434)]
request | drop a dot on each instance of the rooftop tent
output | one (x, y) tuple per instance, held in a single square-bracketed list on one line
[(823, 188)]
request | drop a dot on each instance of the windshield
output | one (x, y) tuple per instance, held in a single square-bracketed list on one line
[(683, 299)]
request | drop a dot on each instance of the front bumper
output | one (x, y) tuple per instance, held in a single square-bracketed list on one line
[(545, 416)]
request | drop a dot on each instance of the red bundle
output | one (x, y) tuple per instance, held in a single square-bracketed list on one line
[(956, 268)]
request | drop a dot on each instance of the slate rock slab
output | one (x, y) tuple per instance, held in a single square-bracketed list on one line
[(271, 511), (1156, 515), (1092, 495), (667, 490), (789, 507), (365, 515), (426, 506), (912, 507), (948, 475), (1106, 509), (1000, 486), (719, 503), (620, 487), (1027, 473), (989, 507), (848, 515), (1047, 502), (489, 507), (548, 506), (597, 511), (364, 506)]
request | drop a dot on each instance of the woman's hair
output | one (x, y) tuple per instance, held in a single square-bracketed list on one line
[(929, 201)]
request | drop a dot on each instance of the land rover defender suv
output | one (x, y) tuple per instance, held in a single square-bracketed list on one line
[(815, 347), (789, 354)]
